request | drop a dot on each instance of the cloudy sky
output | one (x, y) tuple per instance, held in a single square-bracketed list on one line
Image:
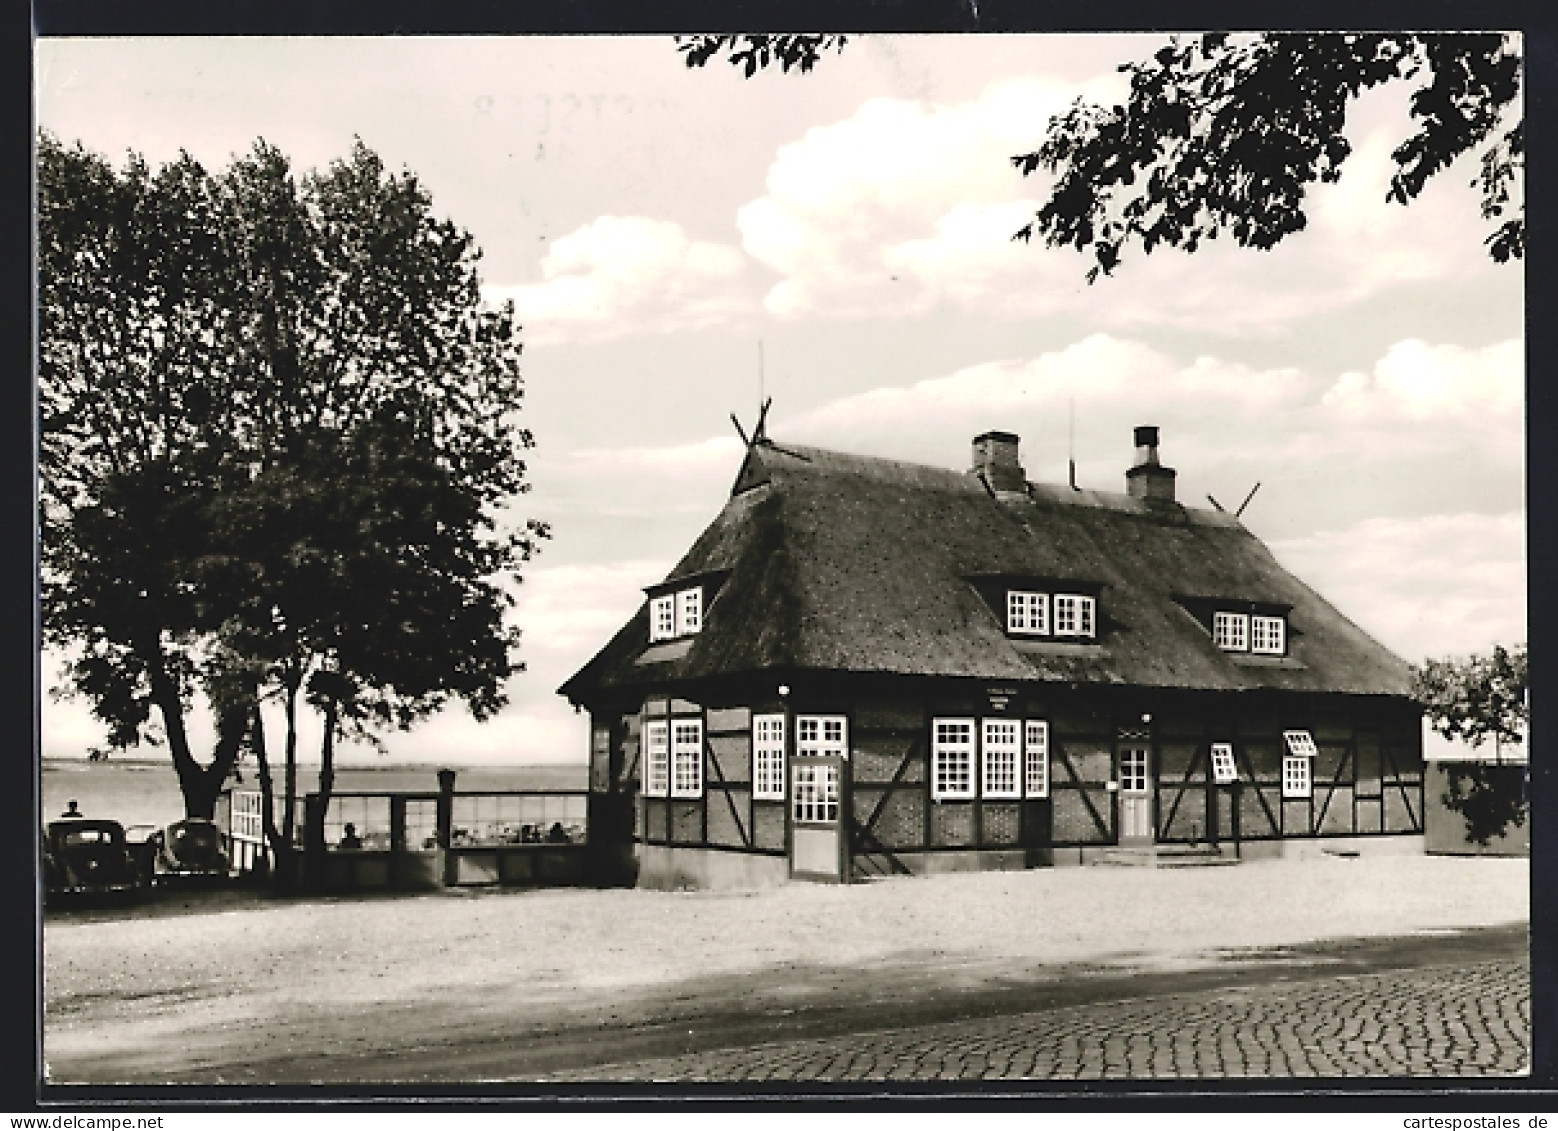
[(660, 229)]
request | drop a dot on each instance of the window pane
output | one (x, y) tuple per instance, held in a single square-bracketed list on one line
[(1037, 758), (662, 618), (1002, 758), (768, 756), (689, 611), (686, 758), (953, 758), (1230, 631), (822, 734), (1267, 634), (1224, 772), (1027, 612), (656, 758)]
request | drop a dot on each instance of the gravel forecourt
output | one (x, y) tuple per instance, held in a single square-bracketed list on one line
[(392, 988)]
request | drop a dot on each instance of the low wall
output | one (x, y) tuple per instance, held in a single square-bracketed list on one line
[(1447, 831), (663, 868)]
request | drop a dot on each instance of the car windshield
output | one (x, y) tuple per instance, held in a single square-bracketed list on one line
[(88, 836)]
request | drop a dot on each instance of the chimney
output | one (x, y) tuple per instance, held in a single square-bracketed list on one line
[(995, 462), (1149, 479)]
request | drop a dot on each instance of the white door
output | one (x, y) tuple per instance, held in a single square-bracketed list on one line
[(1135, 793)]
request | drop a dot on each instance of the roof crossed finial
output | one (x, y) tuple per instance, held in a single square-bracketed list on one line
[(760, 433)]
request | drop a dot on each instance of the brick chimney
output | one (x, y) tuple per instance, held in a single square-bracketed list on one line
[(996, 462), (1149, 479)]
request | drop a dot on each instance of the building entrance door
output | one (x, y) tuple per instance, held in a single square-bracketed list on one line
[(819, 798), (1136, 791)]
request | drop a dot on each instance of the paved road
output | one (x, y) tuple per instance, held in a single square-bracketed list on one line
[(1467, 1020)]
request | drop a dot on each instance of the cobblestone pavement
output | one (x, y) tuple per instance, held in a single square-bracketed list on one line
[(1472, 1020)]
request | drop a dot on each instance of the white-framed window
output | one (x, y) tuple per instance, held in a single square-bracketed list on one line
[(1268, 635), (1297, 779), (816, 796), (657, 757), (1224, 772), (1001, 760), (676, 614), (686, 757), (662, 618), (1027, 612), (768, 757), (1231, 631), (1036, 757), (689, 611), (1074, 614), (1300, 743), (822, 734), (952, 759)]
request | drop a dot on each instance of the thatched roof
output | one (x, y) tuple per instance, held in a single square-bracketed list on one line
[(846, 563)]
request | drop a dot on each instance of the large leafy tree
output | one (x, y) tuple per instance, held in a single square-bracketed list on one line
[(136, 426), (348, 543), (1225, 134), (1474, 699)]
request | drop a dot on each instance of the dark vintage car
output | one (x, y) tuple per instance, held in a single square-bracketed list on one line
[(189, 849), (86, 856)]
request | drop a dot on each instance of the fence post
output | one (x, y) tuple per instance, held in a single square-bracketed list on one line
[(446, 824)]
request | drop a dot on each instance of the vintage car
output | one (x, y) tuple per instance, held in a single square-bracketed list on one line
[(86, 855), (189, 848)]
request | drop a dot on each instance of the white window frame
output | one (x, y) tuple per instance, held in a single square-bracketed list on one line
[(689, 610), (1225, 771), (768, 757), (662, 618), (1300, 743), (686, 757), (1268, 635), (947, 752), (1036, 757), (1297, 780), (815, 799), (1075, 615), (1231, 631), (1000, 761), (822, 735), (657, 757), (1298, 764), (1027, 612)]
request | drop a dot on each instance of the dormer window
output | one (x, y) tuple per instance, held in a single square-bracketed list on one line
[(1075, 615), (676, 614), (1231, 631), (1247, 632), (1268, 635), (1027, 613)]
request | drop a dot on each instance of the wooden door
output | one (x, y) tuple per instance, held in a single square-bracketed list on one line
[(818, 799), (1136, 825)]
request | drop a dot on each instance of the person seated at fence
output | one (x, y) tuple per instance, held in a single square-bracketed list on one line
[(349, 837), (557, 834)]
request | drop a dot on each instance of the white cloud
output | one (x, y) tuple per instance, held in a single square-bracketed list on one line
[(1419, 381), (871, 214), (1113, 384), (908, 205), (1432, 586), (628, 274)]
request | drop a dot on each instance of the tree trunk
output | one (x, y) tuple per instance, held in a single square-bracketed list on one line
[(284, 859), (289, 817), (200, 785), (327, 755)]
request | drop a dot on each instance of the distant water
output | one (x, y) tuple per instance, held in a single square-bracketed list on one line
[(135, 793)]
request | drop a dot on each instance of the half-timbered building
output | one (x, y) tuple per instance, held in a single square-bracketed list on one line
[(864, 666)]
